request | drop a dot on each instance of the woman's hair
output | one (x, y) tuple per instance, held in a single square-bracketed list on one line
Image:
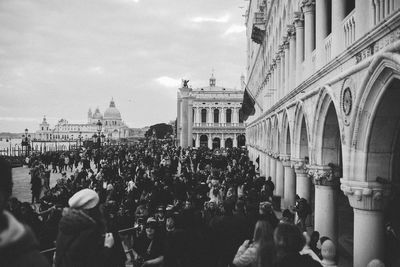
[(288, 239), (263, 235)]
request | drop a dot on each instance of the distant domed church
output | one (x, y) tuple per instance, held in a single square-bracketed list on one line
[(112, 126)]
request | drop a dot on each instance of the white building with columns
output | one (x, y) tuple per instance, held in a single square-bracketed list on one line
[(326, 77), (210, 116)]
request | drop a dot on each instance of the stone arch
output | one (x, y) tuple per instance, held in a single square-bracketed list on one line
[(203, 140), (216, 143), (322, 142), (285, 136), (275, 134), (377, 122), (269, 141), (301, 136)]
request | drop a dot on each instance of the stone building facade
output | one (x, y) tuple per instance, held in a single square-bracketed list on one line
[(112, 127), (326, 77), (210, 116)]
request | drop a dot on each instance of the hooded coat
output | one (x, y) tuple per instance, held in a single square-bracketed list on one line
[(19, 247), (80, 242)]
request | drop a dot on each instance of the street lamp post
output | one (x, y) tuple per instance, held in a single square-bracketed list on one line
[(80, 139), (26, 142), (99, 126)]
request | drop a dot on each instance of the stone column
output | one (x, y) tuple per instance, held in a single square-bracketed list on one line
[(287, 67), (338, 14), (272, 166), (290, 183), (197, 140), (303, 182), (190, 122), (234, 143), (179, 118), (220, 116), (368, 201), (222, 141), (282, 77), (292, 54), (267, 165), (198, 116), (298, 22), (185, 122), (325, 217), (210, 116), (321, 31), (262, 164), (309, 35), (209, 141), (279, 178)]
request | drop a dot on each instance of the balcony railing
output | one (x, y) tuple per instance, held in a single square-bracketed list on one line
[(229, 124), (328, 48), (349, 28)]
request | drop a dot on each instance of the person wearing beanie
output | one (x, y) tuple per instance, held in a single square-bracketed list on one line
[(80, 241), (18, 244)]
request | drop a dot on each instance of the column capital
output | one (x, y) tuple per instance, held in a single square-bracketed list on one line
[(285, 42), (298, 19), (366, 195), (299, 166), (284, 157), (291, 31), (308, 6), (324, 175)]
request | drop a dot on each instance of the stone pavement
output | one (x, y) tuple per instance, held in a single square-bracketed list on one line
[(22, 186)]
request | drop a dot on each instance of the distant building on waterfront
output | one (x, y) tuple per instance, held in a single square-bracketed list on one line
[(210, 116), (113, 128)]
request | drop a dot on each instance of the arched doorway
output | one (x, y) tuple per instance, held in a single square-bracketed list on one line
[(383, 164), (216, 143), (241, 140), (228, 143), (203, 140)]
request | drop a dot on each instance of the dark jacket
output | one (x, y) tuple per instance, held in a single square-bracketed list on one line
[(296, 260), (22, 252), (80, 242)]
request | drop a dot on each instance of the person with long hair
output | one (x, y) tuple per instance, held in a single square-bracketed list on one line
[(260, 251)]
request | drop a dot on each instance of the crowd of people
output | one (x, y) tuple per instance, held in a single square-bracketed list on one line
[(181, 207)]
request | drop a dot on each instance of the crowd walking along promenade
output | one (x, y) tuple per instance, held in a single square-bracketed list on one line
[(266, 133)]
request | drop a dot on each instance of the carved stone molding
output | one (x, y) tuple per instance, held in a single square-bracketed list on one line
[(323, 175), (308, 5), (284, 157), (365, 195), (298, 19)]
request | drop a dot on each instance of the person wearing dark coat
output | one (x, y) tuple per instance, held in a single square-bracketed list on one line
[(79, 241), (18, 245), (288, 243)]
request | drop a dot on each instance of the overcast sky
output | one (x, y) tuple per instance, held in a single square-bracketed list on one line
[(60, 57)]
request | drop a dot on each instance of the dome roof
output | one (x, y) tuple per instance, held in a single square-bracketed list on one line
[(97, 115), (112, 113)]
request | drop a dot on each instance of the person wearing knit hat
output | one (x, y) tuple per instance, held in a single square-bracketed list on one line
[(80, 240)]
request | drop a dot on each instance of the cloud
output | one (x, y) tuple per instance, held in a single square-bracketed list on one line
[(96, 70), (222, 19), (235, 28), (20, 119), (169, 82)]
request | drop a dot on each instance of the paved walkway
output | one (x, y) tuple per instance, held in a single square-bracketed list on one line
[(22, 186)]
